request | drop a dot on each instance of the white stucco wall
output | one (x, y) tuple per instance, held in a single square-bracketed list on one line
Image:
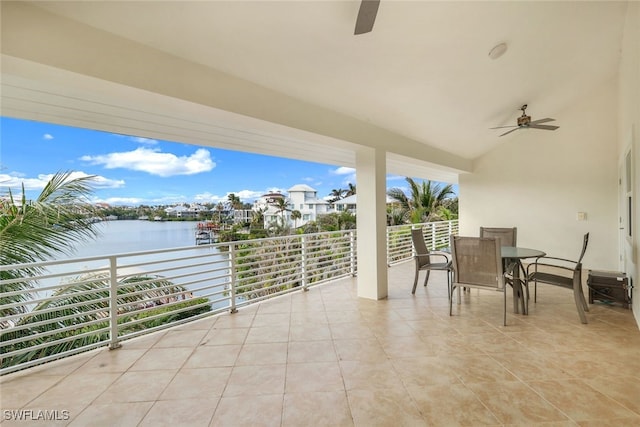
[(539, 180)]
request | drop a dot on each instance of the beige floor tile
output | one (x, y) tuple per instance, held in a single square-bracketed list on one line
[(270, 319), (222, 336), (318, 409), (366, 350), (514, 402), (181, 338), (162, 358), (118, 360), (424, 371), (579, 401), (80, 388), (268, 334), (137, 386), (309, 332), (18, 391), (256, 381), (616, 422), (144, 341), (192, 412), (477, 368), (115, 414), (260, 411), (262, 354), (350, 330), (451, 405), (623, 389), (311, 377), (241, 319), (197, 383), (380, 407), (530, 365), (367, 375), (311, 351), (211, 356)]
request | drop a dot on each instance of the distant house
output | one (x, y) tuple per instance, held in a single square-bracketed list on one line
[(305, 199), (300, 198), (181, 211), (349, 204), (265, 204)]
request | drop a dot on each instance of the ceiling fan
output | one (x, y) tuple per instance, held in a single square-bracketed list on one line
[(525, 122), (366, 16)]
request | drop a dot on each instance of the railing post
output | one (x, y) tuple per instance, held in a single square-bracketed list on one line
[(433, 236), (113, 304), (388, 239), (232, 276), (352, 253), (303, 242)]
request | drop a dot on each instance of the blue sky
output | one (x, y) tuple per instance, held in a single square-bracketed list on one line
[(134, 171)]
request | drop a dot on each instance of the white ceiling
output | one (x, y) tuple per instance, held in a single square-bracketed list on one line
[(423, 72)]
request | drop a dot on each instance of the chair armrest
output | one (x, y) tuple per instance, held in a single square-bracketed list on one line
[(431, 254), (552, 262)]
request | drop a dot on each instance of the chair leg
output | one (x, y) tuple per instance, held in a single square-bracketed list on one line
[(579, 305), (504, 308), (426, 278), (451, 300), (415, 281)]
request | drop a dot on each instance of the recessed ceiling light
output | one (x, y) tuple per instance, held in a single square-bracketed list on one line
[(497, 51)]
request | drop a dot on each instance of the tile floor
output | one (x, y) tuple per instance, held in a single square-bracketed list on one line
[(327, 358)]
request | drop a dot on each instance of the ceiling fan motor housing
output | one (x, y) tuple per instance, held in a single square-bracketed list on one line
[(524, 120)]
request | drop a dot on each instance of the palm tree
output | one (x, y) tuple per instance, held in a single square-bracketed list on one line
[(281, 206), (295, 216), (32, 231), (234, 201), (336, 194), (350, 191), (425, 201)]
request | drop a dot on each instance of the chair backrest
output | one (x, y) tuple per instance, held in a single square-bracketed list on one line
[(585, 242), (477, 262), (507, 236), (418, 241), (420, 248)]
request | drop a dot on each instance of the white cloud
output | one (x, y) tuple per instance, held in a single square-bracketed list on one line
[(15, 181), (248, 195), (343, 170), (47, 136), (141, 140), (155, 162), (244, 195)]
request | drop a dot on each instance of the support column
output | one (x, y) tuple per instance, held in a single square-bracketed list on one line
[(371, 214)]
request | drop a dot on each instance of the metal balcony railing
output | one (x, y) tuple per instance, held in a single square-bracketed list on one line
[(53, 309)]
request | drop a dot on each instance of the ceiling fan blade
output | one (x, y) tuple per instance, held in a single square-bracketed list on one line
[(366, 16), (503, 127), (545, 127), (537, 122), (508, 132)]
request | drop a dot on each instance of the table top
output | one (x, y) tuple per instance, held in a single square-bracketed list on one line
[(517, 252)]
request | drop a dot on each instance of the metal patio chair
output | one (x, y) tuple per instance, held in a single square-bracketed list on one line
[(423, 259)]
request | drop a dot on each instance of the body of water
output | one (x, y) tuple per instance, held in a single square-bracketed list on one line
[(135, 236)]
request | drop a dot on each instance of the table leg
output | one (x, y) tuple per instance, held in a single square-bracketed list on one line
[(519, 298)]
